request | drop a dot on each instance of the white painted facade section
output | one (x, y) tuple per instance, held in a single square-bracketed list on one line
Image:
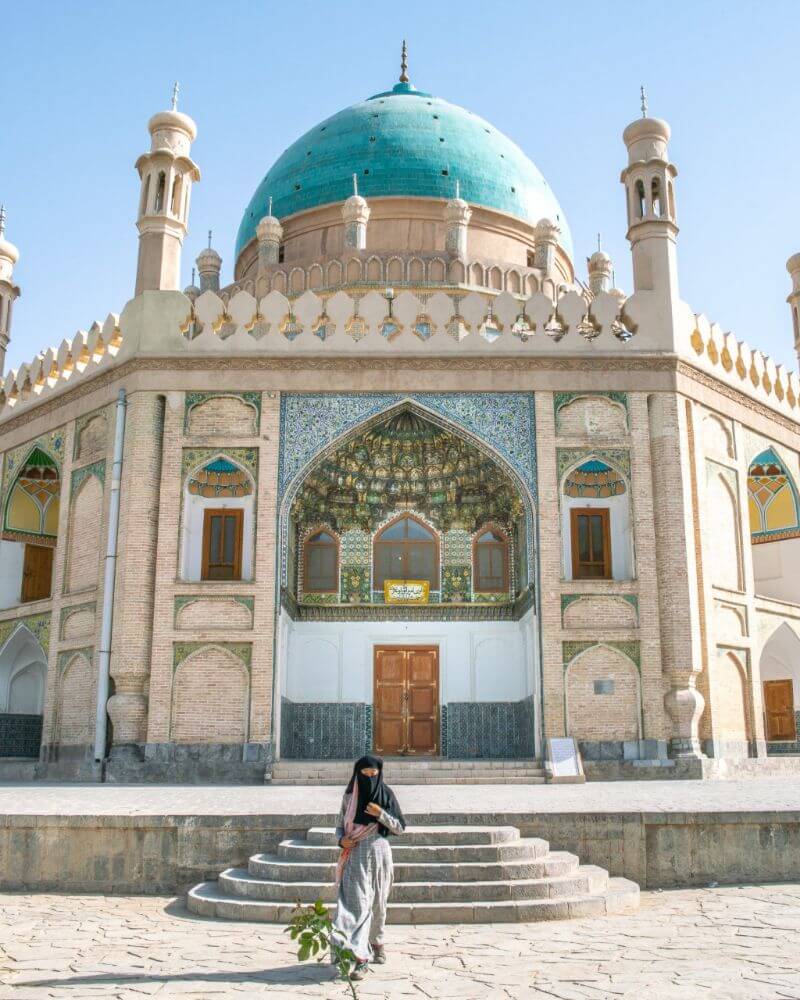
[(22, 674), (780, 659), (775, 566), (12, 557)]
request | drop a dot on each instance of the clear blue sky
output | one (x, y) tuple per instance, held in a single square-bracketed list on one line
[(81, 79)]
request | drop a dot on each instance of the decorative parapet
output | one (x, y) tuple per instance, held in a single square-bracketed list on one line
[(450, 321), (80, 358), (707, 347)]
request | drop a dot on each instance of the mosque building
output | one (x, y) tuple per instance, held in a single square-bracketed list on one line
[(406, 479)]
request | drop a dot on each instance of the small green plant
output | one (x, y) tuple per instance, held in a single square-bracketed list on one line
[(311, 927)]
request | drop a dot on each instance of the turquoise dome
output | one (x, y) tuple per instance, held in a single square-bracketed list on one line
[(404, 142)]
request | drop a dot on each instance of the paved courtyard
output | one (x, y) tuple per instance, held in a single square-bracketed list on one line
[(763, 795), (717, 943)]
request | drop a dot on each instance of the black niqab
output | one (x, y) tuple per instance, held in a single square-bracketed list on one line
[(373, 789)]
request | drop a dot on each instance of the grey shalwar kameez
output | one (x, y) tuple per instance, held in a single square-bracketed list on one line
[(365, 886)]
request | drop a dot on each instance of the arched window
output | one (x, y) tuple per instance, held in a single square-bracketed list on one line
[(655, 192), (321, 568), (160, 191), (143, 209), (639, 200), (406, 550), (176, 195), (490, 562)]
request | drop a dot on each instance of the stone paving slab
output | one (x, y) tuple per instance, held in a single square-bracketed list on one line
[(674, 798), (721, 944)]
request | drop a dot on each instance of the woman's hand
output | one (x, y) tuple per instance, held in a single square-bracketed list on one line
[(347, 843), (373, 809)]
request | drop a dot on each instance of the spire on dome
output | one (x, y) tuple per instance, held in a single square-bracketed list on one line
[(175, 91), (2, 219), (644, 101), (404, 64)]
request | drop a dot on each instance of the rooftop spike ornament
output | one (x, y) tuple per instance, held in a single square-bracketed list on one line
[(2, 219), (175, 91), (404, 64), (355, 185), (644, 101)]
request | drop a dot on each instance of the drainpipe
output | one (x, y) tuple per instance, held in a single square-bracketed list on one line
[(109, 579)]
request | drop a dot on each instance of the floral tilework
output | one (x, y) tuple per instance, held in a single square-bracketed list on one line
[(97, 469), (355, 584), (456, 584), (628, 648), (38, 625), (457, 547), (503, 420), (52, 443), (618, 458), (194, 457), (241, 650), (356, 548)]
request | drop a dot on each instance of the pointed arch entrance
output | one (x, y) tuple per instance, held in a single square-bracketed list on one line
[(408, 471), (23, 670)]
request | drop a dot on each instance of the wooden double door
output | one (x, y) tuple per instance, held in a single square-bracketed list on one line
[(406, 700), (779, 710)]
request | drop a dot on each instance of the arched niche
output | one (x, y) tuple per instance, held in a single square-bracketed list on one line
[(218, 521), (596, 523)]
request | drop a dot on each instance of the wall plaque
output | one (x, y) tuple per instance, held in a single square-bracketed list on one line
[(564, 760), (406, 591)]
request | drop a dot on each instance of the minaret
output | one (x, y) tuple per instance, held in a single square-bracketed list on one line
[(793, 267), (355, 213), (650, 197), (167, 172), (209, 265), (9, 292), (270, 233), (457, 215)]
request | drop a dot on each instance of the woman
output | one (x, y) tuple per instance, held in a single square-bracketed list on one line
[(369, 813)]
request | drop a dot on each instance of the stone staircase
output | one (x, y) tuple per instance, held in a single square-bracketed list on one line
[(442, 875), (408, 771)]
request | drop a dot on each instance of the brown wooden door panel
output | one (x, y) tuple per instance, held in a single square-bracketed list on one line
[(779, 710), (37, 573), (406, 700)]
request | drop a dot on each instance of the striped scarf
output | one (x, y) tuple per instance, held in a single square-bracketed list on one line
[(353, 831)]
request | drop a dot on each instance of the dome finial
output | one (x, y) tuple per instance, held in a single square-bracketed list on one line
[(269, 207), (355, 184), (175, 91), (644, 101), (404, 64), (2, 219)]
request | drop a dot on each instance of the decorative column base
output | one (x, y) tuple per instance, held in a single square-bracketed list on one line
[(685, 706)]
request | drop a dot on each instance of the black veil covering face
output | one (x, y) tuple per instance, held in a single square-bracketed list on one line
[(373, 789)]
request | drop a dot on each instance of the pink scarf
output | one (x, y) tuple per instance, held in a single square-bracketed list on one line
[(353, 831)]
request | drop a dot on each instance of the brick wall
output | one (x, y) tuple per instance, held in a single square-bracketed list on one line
[(85, 535), (592, 715), (210, 698)]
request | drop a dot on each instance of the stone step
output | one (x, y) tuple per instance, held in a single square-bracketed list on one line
[(528, 849), (401, 763), (586, 879), (619, 896), (433, 835), (276, 869), (413, 772)]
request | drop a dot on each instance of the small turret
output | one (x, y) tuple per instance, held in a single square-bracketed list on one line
[(545, 241), (167, 173), (209, 265), (9, 292), (191, 290), (601, 271), (270, 233), (355, 213), (457, 216)]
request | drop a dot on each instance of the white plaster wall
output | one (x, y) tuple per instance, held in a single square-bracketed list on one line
[(22, 674), (12, 556), (775, 565), (620, 530), (478, 661), (192, 547)]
